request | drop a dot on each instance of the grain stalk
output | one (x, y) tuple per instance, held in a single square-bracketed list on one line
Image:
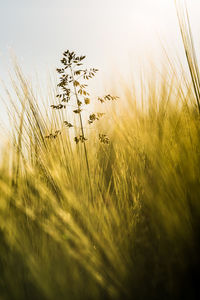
[(188, 42), (82, 131)]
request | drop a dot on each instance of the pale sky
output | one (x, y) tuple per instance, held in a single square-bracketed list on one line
[(109, 32), (38, 31)]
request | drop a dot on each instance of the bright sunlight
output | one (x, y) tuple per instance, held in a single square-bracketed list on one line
[(99, 150)]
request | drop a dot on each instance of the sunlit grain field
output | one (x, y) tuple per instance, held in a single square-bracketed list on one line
[(131, 229)]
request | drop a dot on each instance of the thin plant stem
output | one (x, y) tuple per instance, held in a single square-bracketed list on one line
[(83, 134), (188, 43)]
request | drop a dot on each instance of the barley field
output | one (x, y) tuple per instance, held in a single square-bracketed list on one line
[(123, 224)]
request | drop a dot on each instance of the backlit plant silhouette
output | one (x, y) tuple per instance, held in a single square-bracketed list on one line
[(73, 88)]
